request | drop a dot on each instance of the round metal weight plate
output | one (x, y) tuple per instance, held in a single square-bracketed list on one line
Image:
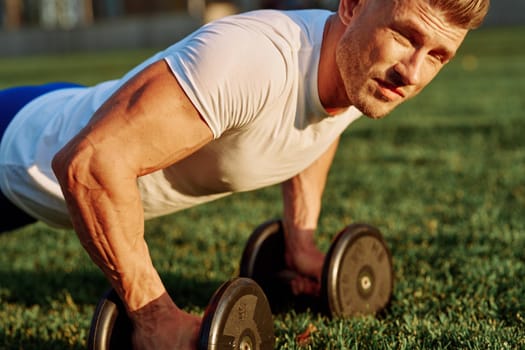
[(263, 261), (358, 273), (264, 251), (111, 328), (238, 317)]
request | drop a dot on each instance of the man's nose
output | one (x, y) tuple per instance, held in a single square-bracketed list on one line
[(410, 68)]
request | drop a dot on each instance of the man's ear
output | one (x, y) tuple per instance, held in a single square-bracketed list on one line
[(347, 9)]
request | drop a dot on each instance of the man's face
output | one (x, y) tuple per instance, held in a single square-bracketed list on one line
[(391, 50)]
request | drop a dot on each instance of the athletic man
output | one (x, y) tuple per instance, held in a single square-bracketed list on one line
[(245, 102)]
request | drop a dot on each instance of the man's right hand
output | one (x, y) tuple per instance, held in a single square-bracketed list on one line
[(162, 325)]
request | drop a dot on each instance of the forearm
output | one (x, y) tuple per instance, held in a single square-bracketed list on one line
[(302, 204), (302, 194), (302, 197), (107, 215), (115, 242)]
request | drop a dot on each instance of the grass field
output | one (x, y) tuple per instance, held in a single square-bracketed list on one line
[(443, 177)]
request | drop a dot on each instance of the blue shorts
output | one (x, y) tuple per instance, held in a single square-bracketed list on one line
[(11, 101)]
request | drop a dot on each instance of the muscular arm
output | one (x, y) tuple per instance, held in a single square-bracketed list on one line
[(145, 126), (302, 196)]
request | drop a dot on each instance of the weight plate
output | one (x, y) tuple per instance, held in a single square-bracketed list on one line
[(358, 275), (264, 251), (110, 327), (238, 317), (263, 261)]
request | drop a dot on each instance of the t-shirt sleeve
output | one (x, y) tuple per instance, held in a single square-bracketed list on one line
[(230, 71)]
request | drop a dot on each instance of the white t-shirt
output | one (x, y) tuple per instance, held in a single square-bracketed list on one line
[(253, 78)]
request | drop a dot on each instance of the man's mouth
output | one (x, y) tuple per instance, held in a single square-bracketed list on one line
[(389, 91)]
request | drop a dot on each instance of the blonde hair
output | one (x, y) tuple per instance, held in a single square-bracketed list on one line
[(468, 14)]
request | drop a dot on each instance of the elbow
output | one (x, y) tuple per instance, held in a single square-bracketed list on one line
[(82, 170), (69, 164)]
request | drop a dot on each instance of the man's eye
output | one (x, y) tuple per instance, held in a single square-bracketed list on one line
[(438, 57)]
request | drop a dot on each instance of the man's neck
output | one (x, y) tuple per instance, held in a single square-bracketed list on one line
[(331, 88)]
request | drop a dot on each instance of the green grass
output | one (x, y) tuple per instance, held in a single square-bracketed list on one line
[(442, 177)]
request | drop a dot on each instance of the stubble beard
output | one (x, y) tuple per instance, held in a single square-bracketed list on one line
[(361, 89)]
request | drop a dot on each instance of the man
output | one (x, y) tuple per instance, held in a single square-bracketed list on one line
[(245, 102)]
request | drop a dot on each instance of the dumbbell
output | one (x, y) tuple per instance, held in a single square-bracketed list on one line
[(357, 276), (238, 316)]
